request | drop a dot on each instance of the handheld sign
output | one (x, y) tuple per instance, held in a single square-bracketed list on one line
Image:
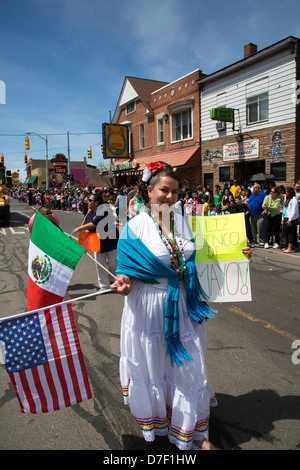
[(222, 267)]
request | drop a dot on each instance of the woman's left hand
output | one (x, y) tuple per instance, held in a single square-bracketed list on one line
[(122, 285)]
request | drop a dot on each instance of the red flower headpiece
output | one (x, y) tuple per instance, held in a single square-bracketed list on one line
[(151, 169)]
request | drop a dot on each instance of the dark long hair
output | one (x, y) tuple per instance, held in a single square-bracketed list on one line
[(290, 193)]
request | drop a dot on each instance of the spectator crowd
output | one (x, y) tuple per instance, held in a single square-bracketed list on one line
[(271, 211)]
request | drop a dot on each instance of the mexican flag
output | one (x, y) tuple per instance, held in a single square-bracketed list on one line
[(52, 258)]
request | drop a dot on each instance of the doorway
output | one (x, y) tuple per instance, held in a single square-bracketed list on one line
[(244, 170), (209, 180)]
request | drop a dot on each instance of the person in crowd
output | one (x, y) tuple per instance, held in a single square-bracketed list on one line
[(235, 189), (232, 207), (205, 199), (244, 195), (218, 196), (100, 213), (255, 213), (209, 193), (211, 209), (225, 199), (30, 197), (135, 204), (292, 215), (46, 212), (272, 217), (179, 205), (297, 193), (243, 207), (163, 340)]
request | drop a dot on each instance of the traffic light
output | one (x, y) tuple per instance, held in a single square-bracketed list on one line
[(8, 177), (25, 159), (90, 153), (27, 146), (2, 159)]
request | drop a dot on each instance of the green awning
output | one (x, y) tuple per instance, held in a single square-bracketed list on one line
[(30, 180)]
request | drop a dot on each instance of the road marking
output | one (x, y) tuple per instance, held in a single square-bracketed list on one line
[(266, 324), (11, 230)]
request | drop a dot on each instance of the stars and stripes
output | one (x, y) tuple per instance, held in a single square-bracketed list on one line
[(44, 360)]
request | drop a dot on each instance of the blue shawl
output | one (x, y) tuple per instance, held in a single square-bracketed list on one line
[(138, 262)]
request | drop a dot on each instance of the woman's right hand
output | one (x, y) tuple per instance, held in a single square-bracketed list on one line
[(122, 285)]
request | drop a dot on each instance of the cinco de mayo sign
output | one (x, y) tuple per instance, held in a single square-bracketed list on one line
[(222, 267)]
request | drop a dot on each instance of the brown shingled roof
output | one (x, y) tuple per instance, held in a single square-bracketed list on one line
[(145, 87)]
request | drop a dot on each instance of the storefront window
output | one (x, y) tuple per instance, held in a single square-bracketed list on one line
[(224, 173), (279, 171)]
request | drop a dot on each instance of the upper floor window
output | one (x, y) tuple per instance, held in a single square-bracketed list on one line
[(160, 131), (182, 125), (142, 136), (130, 107), (258, 108)]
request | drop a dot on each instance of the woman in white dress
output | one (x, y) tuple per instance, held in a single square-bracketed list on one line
[(164, 381)]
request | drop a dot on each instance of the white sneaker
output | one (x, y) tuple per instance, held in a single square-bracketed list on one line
[(275, 245), (252, 245), (261, 244), (266, 245)]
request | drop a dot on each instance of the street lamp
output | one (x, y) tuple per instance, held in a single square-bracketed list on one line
[(46, 140)]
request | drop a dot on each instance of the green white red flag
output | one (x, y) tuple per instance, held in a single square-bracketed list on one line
[(52, 258)]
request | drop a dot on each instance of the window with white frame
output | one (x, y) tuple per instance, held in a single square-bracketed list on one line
[(182, 125), (130, 107), (257, 100), (142, 136), (258, 108), (160, 131)]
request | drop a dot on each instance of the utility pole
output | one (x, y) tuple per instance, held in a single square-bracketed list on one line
[(46, 140), (69, 171)]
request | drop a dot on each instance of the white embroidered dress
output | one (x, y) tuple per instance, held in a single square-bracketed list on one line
[(164, 399)]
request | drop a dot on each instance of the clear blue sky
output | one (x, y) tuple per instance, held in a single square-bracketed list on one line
[(63, 62)]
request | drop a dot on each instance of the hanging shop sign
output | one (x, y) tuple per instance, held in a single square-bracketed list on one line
[(115, 141), (222, 114), (122, 166), (241, 150)]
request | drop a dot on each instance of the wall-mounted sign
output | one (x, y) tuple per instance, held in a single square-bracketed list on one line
[(122, 166), (241, 150), (115, 141), (60, 169), (222, 114)]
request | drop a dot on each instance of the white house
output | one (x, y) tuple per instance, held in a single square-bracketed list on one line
[(264, 137)]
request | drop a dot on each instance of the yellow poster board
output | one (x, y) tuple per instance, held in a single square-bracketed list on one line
[(219, 237), (224, 271)]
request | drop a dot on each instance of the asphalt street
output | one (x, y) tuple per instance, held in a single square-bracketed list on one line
[(251, 358)]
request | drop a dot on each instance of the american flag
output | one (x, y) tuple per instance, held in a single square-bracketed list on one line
[(44, 360)]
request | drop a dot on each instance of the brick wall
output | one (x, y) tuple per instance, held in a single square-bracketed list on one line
[(288, 150)]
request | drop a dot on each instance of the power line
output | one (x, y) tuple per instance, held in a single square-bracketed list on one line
[(70, 133)]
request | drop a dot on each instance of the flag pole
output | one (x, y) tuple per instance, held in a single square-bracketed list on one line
[(64, 302), (97, 262)]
